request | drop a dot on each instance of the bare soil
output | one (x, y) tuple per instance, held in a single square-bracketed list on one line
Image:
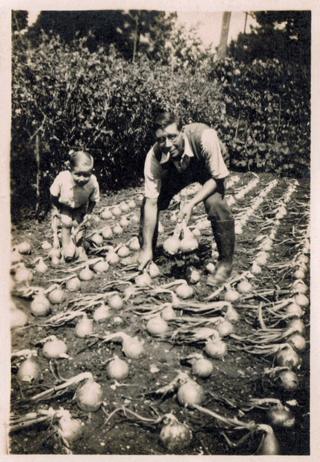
[(235, 379)]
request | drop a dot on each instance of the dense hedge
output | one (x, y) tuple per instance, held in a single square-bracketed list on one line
[(270, 102), (65, 97)]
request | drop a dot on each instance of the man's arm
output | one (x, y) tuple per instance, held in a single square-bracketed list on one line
[(207, 189)]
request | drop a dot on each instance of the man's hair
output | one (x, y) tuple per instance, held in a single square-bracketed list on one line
[(80, 158), (166, 118)]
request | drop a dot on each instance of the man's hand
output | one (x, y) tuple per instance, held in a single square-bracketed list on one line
[(185, 213), (145, 256)]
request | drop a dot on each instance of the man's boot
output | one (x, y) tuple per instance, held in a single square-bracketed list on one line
[(224, 234)]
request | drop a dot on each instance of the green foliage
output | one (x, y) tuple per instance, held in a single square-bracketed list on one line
[(72, 97), (19, 19), (267, 127), (282, 35), (129, 32)]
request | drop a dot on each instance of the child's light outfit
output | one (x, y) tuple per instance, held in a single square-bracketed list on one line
[(73, 199)]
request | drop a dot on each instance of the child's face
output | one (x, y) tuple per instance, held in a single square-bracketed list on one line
[(81, 174)]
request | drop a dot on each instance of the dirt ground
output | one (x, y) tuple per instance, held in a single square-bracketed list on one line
[(235, 379)]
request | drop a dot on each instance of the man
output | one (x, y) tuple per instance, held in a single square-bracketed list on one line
[(181, 156)]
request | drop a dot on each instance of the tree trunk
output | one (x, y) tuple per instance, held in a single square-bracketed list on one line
[(38, 172), (222, 50)]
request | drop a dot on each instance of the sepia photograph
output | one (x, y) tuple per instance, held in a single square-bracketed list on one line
[(159, 208)]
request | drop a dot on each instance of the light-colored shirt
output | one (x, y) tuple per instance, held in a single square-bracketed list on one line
[(211, 154), (73, 195)]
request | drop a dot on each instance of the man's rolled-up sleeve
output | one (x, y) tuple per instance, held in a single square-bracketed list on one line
[(152, 176), (213, 155)]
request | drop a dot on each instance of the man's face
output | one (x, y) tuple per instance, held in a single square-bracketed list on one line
[(170, 140)]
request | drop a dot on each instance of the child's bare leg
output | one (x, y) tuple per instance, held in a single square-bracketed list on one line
[(68, 247), (55, 220)]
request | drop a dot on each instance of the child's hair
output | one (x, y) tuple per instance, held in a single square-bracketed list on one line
[(80, 158)]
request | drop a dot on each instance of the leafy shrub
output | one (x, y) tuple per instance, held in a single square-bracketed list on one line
[(67, 97), (268, 115)]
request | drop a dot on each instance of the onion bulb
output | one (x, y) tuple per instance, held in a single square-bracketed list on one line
[(171, 245), (153, 270), (269, 445), (157, 326), (116, 211), (231, 314), (288, 380), (101, 266), (143, 280), (301, 300), (84, 327), (106, 232), (86, 274), (73, 284), (89, 396), (224, 328), (54, 262), (134, 244), (54, 348), (40, 305), (134, 219), (18, 318), (124, 222), (117, 369), (300, 287), (244, 287), (297, 325), (112, 257), (193, 276), (28, 371), (281, 416), (231, 295), (123, 251), (24, 247), (69, 250), (261, 258), (297, 341), (68, 428), (174, 435), (189, 243), (287, 357), (132, 347), (124, 207), (190, 393), (215, 348), (15, 257), (41, 267), (117, 229), (294, 311), (168, 313), (115, 302), (54, 253), (57, 296), (106, 214), (202, 367), (184, 291), (96, 238), (23, 275), (255, 268), (102, 313)]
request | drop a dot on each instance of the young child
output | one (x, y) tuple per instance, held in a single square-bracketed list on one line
[(74, 194)]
